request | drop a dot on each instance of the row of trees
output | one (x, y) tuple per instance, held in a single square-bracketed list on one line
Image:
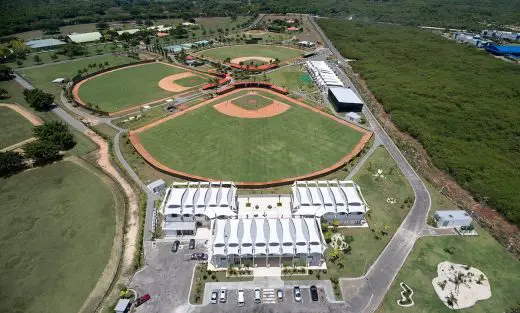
[(52, 137)]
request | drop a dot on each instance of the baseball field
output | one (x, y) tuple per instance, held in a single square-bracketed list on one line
[(136, 85), (249, 135), (259, 54)]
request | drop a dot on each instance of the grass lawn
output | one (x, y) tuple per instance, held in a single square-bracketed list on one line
[(208, 143), (294, 78), (127, 87), (14, 127), (482, 252), (191, 81), (252, 102), (232, 52), (42, 77), (56, 239)]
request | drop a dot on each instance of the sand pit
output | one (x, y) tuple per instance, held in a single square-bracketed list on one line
[(273, 109), (460, 286), (245, 59), (168, 83)]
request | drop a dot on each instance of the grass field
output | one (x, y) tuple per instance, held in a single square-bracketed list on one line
[(251, 50), (127, 87), (482, 252), (191, 81), (41, 77), (294, 78), (56, 239), (252, 102), (14, 127), (208, 143)]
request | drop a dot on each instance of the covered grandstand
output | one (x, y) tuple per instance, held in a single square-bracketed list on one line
[(329, 200), (267, 241), (323, 75)]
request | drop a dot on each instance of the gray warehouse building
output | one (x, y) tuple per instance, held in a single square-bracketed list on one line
[(345, 100), (452, 218)]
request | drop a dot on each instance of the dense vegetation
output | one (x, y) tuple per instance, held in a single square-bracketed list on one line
[(461, 103), (22, 15)]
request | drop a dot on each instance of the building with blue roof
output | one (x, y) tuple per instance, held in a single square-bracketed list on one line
[(42, 44), (504, 50)]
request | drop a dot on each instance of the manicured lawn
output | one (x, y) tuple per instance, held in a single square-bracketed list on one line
[(208, 143), (127, 87), (191, 81), (252, 102), (13, 127), (251, 50), (57, 230), (294, 78), (42, 77), (482, 252)]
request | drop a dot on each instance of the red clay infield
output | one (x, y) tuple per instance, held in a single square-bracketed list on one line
[(273, 109), (134, 138)]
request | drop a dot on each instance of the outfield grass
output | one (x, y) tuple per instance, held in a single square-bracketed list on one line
[(232, 52), (252, 102), (42, 77), (56, 237), (191, 81), (127, 87), (482, 252), (208, 143), (294, 78), (14, 128)]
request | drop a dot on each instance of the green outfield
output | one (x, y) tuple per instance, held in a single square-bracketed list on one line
[(273, 52), (294, 78), (208, 143), (57, 230), (127, 87), (14, 127), (191, 81), (252, 102)]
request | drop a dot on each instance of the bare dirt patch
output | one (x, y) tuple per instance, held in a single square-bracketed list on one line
[(168, 83), (245, 59), (230, 109), (35, 120)]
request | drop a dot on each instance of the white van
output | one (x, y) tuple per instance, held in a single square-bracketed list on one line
[(241, 300)]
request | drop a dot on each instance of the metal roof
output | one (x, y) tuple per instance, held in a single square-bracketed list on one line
[(85, 37), (458, 214), (345, 95), (43, 43)]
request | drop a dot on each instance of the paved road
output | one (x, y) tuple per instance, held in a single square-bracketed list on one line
[(373, 287)]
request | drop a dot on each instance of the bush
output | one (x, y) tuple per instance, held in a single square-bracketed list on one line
[(57, 133), (42, 152), (10, 163), (38, 99)]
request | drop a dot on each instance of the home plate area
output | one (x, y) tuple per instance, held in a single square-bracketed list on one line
[(251, 105)]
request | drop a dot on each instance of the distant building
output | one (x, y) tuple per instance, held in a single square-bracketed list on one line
[(307, 44), (122, 306), (513, 51), (345, 100), (157, 186), (500, 34), (127, 31), (453, 218), (292, 29), (323, 75), (43, 44), (85, 37), (353, 117)]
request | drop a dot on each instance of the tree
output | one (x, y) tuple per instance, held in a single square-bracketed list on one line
[(42, 152), (38, 99), (5, 72), (54, 56), (57, 133), (37, 59), (10, 163), (102, 25), (148, 23), (3, 94)]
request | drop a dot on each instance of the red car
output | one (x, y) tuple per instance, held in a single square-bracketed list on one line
[(142, 300)]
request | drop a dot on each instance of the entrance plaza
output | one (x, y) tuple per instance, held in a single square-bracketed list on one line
[(261, 230)]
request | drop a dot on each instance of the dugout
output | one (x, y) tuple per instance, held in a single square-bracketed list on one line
[(345, 100)]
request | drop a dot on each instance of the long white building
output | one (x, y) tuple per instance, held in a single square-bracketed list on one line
[(329, 200), (267, 241), (323, 75)]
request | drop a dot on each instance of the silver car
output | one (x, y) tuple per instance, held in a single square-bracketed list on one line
[(223, 294), (214, 296)]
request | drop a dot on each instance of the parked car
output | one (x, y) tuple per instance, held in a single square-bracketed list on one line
[(192, 244), (241, 300), (257, 295), (142, 299), (279, 294), (223, 294), (175, 246), (199, 256), (214, 296), (314, 293), (297, 294)]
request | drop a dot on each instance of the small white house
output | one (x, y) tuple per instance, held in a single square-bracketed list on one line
[(122, 306), (353, 117), (453, 218), (157, 186)]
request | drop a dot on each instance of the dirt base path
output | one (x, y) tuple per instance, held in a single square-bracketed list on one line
[(253, 58), (168, 83), (230, 109), (35, 120)]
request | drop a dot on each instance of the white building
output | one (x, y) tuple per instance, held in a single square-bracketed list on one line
[(329, 200), (85, 37), (323, 75), (187, 205), (452, 218), (267, 242)]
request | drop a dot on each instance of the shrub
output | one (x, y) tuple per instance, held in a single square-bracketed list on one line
[(10, 163)]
